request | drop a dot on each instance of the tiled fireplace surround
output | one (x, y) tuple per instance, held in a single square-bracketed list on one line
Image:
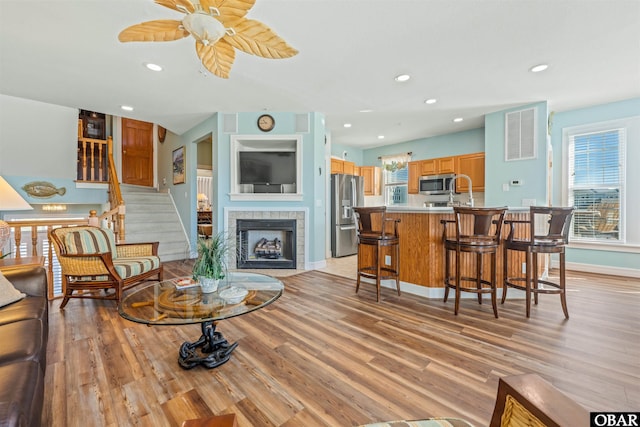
[(231, 215)]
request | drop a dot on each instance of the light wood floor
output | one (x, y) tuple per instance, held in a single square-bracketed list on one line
[(324, 356)]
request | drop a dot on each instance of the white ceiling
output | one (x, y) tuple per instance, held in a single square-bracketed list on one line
[(472, 55)]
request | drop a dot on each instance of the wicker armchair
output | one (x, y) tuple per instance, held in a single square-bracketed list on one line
[(92, 263)]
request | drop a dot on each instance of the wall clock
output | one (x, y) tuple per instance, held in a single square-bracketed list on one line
[(266, 123)]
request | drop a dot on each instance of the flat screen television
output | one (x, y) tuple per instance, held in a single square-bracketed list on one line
[(267, 167)]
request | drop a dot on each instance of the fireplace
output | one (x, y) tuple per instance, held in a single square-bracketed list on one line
[(266, 243)]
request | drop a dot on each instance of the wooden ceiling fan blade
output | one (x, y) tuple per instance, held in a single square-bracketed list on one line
[(230, 10), (177, 5), (256, 38), (217, 58), (162, 30)]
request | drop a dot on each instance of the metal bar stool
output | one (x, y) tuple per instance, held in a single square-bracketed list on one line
[(548, 234), (477, 232), (374, 231)]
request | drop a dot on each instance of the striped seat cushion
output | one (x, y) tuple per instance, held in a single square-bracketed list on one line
[(129, 267), (90, 240)]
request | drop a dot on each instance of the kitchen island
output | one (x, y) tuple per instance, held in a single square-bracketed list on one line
[(422, 250)]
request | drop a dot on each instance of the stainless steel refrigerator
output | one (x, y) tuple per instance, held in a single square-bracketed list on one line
[(346, 193)]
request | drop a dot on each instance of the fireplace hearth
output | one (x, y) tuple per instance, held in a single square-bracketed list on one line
[(266, 243)]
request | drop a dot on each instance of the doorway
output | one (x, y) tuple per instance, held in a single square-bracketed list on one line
[(204, 187), (137, 152)]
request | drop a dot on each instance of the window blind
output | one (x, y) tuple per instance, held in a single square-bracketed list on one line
[(596, 183), (395, 171)]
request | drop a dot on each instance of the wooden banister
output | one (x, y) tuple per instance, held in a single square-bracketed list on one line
[(116, 213)]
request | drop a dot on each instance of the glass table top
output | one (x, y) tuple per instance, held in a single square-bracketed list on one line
[(181, 301)]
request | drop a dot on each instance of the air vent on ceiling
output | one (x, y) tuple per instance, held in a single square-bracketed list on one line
[(230, 123), (520, 135)]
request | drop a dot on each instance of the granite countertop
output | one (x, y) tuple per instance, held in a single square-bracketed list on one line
[(442, 209)]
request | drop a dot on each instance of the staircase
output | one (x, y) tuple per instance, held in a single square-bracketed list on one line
[(151, 217)]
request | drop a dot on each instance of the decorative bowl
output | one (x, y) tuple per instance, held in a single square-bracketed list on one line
[(234, 294)]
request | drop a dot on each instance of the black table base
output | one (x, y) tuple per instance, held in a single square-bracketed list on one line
[(211, 350)]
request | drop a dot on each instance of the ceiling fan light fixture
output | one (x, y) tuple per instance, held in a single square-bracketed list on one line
[(204, 28), (219, 28)]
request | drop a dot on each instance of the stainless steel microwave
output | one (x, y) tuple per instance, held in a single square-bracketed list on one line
[(435, 184)]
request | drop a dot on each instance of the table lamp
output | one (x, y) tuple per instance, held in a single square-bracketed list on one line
[(202, 201), (10, 200)]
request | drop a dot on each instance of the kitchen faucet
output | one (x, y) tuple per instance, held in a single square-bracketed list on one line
[(453, 180)]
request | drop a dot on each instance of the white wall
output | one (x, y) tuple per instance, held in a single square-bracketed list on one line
[(37, 138)]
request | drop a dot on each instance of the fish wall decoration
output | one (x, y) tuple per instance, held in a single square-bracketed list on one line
[(42, 189)]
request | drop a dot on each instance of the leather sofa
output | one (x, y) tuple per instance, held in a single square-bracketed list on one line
[(24, 330)]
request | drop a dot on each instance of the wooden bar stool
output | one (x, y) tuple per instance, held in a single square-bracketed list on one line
[(548, 234), (377, 231), (477, 232)]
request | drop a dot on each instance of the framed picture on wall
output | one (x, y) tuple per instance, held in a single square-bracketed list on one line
[(178, 165)]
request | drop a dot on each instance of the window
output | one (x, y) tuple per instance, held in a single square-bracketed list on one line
[(395, 175), (596, 183)]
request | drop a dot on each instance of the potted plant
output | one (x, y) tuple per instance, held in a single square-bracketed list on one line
[(210, 266)]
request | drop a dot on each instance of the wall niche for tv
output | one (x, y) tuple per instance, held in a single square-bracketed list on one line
[(266, 168)]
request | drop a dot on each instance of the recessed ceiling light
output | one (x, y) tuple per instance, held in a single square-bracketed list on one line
[(431, 101), (538, 68), (153, 67), (366, 111), (347, 125), (380, 136), (458, 119), (126, 108), (403, 77)]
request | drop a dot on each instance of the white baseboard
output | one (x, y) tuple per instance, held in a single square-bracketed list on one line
[(315, 265), (599, 269), (438, 293)]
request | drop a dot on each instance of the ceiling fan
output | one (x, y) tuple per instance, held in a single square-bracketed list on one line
[(218, 26)]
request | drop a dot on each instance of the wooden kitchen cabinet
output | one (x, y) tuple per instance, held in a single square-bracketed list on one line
[(415, 171), (337, 166), (348, 168), (429, 167), (342, 166), (447, 165), (438, 166), (371, 180), (473, 166)]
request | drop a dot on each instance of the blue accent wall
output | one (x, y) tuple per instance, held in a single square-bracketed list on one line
[(313, 155), (603, 256), (498, 171), (452, 144), (353, 154)]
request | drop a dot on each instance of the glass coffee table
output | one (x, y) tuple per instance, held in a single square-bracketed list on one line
[(179, 301)]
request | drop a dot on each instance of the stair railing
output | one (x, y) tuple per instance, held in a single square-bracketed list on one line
[(96, 164), (115, 216), (92, 164)]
